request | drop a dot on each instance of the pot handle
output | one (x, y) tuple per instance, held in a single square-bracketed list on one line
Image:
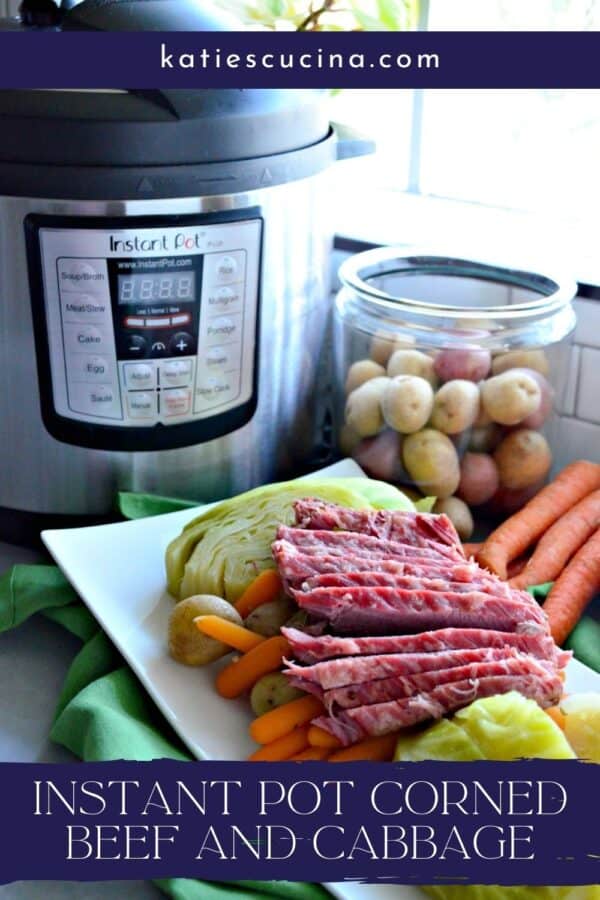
[(351, 143)]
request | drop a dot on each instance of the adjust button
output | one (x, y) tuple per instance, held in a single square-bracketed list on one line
[(139, 375)]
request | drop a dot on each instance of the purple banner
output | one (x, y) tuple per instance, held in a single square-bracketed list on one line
[(526, 822), (300, 60)]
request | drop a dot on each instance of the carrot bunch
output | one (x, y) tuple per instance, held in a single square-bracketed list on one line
[(563, 519)]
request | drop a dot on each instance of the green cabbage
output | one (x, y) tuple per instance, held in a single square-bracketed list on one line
[(222, 550)]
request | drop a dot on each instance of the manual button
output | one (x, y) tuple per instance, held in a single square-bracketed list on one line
[(141, 405)]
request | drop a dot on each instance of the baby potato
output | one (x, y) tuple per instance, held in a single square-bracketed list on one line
[(479, 478), (380, 456), (363, 407), (361, 371), (268, 618), (431, 460), (523, 458), (385, 342), (456, 406), (539, 416), (270, 691), (412, 362), (189, 646), (484, 439), (348, 440), (459, 514), (506, 501), (407, 403), (510, 397), (464, 364), (521, 359)]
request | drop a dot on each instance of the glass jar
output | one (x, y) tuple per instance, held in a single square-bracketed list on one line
[(451, 375)]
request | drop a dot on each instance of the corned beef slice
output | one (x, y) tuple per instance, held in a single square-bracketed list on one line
[(418, 529), (358, 578), (345, 543), (353, 725), (310, 649), (380, 610), (352, 670)]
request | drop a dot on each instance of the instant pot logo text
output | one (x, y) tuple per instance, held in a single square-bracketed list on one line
[(182, 240)]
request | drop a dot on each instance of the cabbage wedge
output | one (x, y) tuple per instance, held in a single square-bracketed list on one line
[(222, 550)]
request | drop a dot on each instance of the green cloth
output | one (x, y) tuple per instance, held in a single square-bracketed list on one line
[(104, 713), (584, 640)]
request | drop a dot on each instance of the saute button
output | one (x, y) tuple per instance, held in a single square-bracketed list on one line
[(95, 400), (141, 404), (139, 375), (175, 402), (176, 372)]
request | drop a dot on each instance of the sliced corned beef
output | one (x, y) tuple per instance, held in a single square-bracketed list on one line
[(380, 610), (418, 529), (369, 578), (384, 689), (344, 543), (308, 649), (352, 725), (334, 673)]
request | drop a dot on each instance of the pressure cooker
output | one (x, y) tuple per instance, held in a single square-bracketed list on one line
[(164, 285)]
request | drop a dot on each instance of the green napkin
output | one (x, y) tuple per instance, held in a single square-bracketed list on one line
[(104, 713), (584, 640)]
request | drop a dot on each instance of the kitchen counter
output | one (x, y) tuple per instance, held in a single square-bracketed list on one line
[(34, 660)]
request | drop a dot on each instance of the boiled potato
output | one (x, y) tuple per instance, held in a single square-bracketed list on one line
[(464, 364), (479, 478), (523, 458), (268, 618), (380, 456), (507, 501), (189, 646), (363, 407), (384, 343), (455, 407), (459, 514), (348, 440), (407, 403), (362, 371), (521, 359), (272, 690), (412, 362), (486, 438), (582, 724), (431, 460), (510, 397)]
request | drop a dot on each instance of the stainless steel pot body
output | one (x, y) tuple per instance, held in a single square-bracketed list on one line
[(44, 475)]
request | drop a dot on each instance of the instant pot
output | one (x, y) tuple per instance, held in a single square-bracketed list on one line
[(164, 285)]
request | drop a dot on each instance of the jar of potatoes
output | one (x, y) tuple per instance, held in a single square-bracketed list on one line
[(451, 376)]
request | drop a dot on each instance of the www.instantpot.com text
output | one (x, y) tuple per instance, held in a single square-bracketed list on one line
[(315, 59)]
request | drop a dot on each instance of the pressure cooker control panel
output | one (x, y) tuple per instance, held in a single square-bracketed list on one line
[(143, 329)]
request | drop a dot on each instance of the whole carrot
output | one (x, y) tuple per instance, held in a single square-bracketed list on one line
[(283, 747), (574, 589), (520, 531), (561, 541), (266, 587), (241, 675), (283, 719), (376, 749)]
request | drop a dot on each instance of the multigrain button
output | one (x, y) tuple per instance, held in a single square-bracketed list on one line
[(175, 402), (138, 375), (141, 404)]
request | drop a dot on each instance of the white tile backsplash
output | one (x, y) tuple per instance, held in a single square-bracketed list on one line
[(588, 322), (577, 440), (570, 395), (588, 394)]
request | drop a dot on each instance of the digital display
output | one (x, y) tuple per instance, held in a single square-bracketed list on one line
[(159, 287)]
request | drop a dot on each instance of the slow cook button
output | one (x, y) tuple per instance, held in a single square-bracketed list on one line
[(75, 274), (176, 372), (101, 401), (175, 402), (139, 375), (85, 308), (141, 404), (214, 391)]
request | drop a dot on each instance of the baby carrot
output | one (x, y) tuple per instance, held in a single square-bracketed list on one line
[(266, 587), (573, 589), (241, 675), (283, 747), (318, 737), (281, 720), (557, 715), (311, 753), (523, 529), (471, 549), (561, 541), (377, 749), (229, 633)]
